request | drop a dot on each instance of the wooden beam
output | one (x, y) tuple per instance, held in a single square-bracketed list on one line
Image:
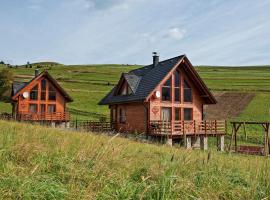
[(266, 142), (245, 132), (231, 140), (235, 138)]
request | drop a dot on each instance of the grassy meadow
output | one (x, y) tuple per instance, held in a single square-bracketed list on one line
[(87, 84), (45, 163)]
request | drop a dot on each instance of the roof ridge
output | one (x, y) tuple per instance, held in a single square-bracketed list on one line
[(141, 68)]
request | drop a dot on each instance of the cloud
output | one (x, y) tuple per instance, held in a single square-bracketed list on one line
[(176, 33), (105, 4), (35, 5), (100, 4)]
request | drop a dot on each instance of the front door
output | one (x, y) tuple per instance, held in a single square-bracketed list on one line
[(166, 117)]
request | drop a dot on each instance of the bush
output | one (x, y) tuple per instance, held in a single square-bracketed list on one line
[(6, 79)]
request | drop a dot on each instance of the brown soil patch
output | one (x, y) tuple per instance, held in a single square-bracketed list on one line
[(230, 104)]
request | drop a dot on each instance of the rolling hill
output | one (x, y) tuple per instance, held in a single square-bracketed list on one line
[(87, 84)]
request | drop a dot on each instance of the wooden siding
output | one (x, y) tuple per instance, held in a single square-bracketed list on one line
[(196, 105), (21, 106), (140, 115), (136, 118)]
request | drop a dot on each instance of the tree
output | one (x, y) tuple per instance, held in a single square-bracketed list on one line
[(2, 62), (6, 79)]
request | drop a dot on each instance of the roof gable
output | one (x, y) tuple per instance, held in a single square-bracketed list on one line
[(18, 88)]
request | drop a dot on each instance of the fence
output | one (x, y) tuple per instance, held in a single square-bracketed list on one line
[(92, 126), (213, 127), (56, 116)]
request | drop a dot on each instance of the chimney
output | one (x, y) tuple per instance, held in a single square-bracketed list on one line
[(36, 72), (155, 59)]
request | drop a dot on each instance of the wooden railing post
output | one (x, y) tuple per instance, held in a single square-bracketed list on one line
[(205, 127), (194, 127), (215, 126), (184, 133)]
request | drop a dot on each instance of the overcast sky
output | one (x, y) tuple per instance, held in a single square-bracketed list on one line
[(213, 32)]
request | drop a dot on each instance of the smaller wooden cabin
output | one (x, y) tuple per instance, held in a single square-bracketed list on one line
[(40, 99)]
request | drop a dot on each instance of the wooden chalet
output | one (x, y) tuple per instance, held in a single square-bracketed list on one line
[(40, 99), (164, 99)]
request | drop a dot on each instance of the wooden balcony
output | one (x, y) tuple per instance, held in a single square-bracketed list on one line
[(56, 116), (181, 128)]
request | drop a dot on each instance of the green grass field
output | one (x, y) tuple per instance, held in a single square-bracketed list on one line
[(88, 84), (44, 163)]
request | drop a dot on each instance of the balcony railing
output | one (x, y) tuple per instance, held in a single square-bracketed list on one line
[(212, 127), (56, 116)]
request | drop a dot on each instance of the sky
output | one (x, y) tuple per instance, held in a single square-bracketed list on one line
[(209, 32)]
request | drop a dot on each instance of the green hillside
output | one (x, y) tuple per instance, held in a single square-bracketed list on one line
[(43, 163), (87, 84)]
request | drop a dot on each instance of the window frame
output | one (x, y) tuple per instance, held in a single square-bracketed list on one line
[(34, 91), (33, 104), (48, 110), (42, 104), (177, 86), (49, 93), (122, 116), (114, 115), (125, 90), (167, 87), (179, 113), (43, 93), (191, 114), (187, 89)]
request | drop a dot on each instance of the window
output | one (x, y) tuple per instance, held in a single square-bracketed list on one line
[(125, 90), (188, 115), (187, 92), (42, 108), (129, 91), (113, 115), (177, 114), (166, 114), (177, 78), (122, 115), (166, 90), (33, 108), (43, 89), (177, 86), (34, 93), (51, 108), (52, 93), (43, 84)]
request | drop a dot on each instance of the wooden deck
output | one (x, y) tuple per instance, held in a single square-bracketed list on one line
[(182, 128), (56, 116)]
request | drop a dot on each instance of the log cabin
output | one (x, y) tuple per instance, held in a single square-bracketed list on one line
[(164, 99), (41, 99)]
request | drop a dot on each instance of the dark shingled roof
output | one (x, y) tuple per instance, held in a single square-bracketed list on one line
[(17, 86), (133, 81), (145, 79)]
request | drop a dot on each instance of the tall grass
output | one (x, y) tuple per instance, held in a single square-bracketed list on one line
[(44, 163)]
